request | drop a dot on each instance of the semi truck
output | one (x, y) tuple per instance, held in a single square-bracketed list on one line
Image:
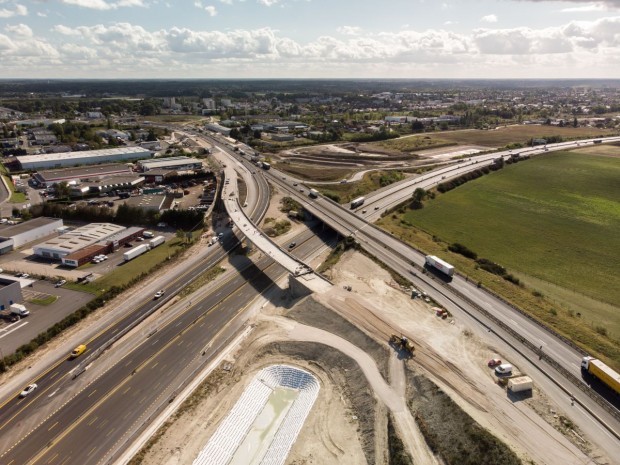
[(358, 202), (159, 240), (520, 384), (313, 193), (602, 372), (440, 265), (136, 251)]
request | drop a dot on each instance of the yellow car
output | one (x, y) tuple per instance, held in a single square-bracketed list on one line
[(79, 350)]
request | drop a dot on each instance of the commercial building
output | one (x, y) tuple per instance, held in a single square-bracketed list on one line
[(106, 246), (48, 178), (14, 236), (158, 176), (73, 241), (92, 157), (10, 293), (218, 128), (171, 163)]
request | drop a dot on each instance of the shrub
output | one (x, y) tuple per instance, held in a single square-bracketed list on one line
[(463, 250)]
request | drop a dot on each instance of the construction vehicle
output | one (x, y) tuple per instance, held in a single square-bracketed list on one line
[(402, 343)]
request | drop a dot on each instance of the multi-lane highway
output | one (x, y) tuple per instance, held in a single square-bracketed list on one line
[(560, 362)]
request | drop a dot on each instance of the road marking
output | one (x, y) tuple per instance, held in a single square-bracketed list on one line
[(53, 458), (14, 329), (52, 427), (53, 393), (110, 432), (90, 423), (92, 393), (155, 364), (54, 375), (127, 390), (91, 451)]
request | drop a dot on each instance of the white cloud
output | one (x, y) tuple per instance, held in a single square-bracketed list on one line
[(211, 10), (587, 8), (103, 4), (19, 30), (17, 10), (104, 49), (268, 2), (489, 19), (349, 30)]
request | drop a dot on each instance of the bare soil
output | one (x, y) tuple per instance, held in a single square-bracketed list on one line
[(446, 383)]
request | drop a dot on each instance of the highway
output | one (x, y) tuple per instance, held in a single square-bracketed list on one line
[(476, 305), (97, 421)]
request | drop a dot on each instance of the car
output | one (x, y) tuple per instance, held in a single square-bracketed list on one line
[(284, 178), (139, 239), (220, 235), (301, 190), (344, 181), (363, 211), (162, 225), (292, 245), (377, 207), (62, 282), (25, 275), (79, 350), (295, 184), (494, 362), (158, 294), (128, 245), (504, 369), (28, 390)]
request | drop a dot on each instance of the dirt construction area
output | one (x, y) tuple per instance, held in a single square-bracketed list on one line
[(377, 405)]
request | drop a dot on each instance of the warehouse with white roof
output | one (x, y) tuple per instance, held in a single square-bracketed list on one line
[(92, 157), (171, 163), (75, 240)]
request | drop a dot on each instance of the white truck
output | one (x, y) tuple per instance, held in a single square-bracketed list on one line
[(440, 265), (19, 310), (136, 251), (358, 202), (313, 193), (159, 240), (520, 384)]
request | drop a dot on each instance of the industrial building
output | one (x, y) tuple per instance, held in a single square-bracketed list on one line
[(14, 236), (92, 157), (48, 178), (171, 163), (218, 128), (10, 293), (72, 241), (110, 244)]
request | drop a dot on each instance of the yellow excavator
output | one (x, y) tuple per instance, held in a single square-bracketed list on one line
[(402, 343)]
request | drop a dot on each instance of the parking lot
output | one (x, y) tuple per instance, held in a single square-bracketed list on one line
[(13, 335)]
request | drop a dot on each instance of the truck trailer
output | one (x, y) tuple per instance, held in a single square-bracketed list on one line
[(313, 193), (520, 384), (440, 265), (602, 372), (358, 202), (159, 240), (136, 251)]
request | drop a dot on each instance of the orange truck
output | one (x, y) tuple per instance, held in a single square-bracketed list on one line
[(601, 371)]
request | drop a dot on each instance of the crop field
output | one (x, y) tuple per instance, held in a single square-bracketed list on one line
[(553, 221), (491, 137)]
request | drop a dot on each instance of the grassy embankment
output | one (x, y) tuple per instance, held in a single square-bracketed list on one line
[(371, 181), (554, 222), (16, 197)]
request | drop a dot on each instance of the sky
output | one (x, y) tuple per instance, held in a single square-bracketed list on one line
[(424, 39)]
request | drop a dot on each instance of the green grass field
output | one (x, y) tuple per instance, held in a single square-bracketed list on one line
[(554, 218)]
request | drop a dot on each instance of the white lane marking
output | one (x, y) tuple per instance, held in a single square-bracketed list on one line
[(14, 329)]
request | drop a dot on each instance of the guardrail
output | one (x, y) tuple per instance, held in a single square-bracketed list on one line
[(556, 365)]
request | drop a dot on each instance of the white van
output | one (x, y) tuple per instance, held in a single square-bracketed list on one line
[(503, 369)]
